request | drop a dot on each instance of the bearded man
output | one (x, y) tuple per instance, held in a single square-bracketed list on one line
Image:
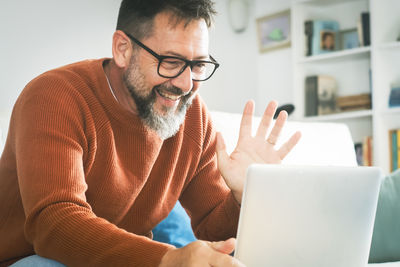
[(99, 151)]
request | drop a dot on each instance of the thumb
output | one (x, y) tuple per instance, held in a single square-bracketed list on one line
[(222, 155), (225, 247)]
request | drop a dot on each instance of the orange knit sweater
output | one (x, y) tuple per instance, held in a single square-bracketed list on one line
[(83, 182)]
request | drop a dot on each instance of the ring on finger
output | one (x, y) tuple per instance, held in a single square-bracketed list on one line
[(272, 143)]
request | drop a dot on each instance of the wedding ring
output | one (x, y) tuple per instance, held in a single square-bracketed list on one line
[(272, 143)]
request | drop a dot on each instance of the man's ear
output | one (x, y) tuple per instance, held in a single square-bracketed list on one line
[(121, 49)]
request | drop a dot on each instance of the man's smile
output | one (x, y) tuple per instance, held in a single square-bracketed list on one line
[(168, 95)]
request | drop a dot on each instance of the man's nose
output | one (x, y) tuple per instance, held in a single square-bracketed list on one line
[(184, 80)]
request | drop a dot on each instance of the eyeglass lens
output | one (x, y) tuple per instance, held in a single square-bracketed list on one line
[(171, 67)]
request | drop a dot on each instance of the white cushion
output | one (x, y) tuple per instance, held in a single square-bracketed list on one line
[(320, 144)]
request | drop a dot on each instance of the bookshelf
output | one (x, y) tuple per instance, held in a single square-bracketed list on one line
[(366, 69)]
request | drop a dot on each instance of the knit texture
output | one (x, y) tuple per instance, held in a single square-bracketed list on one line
[(83, 182)]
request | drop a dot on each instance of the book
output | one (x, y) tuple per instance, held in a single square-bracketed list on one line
[(311, 96), (363, 29), (394, 98), (308, 31), (326, 95), (354, 102), (367, 151), (320, 95), (365, 23), (398, 147), (325, 37), (359, 153)]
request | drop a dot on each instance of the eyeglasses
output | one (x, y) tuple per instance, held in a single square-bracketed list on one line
[(172, 67)]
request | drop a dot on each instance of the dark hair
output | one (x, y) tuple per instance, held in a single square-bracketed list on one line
[(136, 16)]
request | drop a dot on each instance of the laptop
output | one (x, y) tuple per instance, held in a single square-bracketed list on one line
[(307, 216)]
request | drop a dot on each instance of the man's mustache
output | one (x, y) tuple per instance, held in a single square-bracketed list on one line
[(172, 90)]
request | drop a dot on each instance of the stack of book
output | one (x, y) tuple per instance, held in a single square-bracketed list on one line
[(354, 102), (394, 144), (364, 151)]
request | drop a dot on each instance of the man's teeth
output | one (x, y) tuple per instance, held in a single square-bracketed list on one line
[(169, 96)]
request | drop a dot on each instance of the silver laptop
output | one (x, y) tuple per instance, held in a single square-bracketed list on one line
[(307, 216)]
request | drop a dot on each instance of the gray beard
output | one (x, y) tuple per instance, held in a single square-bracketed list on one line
[(166, 125)]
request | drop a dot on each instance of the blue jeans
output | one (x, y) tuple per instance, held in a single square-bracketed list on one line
[(175, 229), (36, 261)]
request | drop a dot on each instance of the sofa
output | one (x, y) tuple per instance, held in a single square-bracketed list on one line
[(321, 144)]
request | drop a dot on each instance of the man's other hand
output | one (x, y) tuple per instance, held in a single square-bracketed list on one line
[(202, 253)]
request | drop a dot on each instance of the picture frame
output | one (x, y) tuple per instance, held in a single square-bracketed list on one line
[(328, 40), (274, 31), (349, 39)]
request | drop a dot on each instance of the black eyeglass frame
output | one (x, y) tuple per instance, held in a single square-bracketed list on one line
[(190, 63)]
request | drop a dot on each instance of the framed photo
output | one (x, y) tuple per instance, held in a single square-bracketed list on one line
[(327, 40), (274, 31), (349, 39)]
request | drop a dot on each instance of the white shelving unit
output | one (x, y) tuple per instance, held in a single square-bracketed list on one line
[(372, 69)]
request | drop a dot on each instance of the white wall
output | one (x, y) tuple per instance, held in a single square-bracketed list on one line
[(236, 80), (245, 73), (274, 67), (43, 34)]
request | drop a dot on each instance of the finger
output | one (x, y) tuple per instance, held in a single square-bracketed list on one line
[(225, 247), (288, 146), (222, 155), (247, 117), (276, 130), (220, 145), (219, 259), (266, 119), (236, 263)]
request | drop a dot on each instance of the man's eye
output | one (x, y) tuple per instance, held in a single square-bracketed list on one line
[(171, 63), (200, 66)]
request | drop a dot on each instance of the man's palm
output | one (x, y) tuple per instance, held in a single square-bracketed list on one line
[(253, 149)]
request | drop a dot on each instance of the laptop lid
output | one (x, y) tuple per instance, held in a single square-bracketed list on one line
[(307, 216)]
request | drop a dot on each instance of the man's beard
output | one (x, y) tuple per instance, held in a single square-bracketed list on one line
[(167, 124)]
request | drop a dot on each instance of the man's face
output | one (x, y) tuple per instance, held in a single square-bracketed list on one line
[(162, 102)]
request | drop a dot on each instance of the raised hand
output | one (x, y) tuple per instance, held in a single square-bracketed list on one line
[(253, 149)]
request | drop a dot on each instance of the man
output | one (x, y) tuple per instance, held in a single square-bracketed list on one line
[(99, 151)]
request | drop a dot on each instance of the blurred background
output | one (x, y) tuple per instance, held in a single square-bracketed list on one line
[(352, 77), (43, 34)]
